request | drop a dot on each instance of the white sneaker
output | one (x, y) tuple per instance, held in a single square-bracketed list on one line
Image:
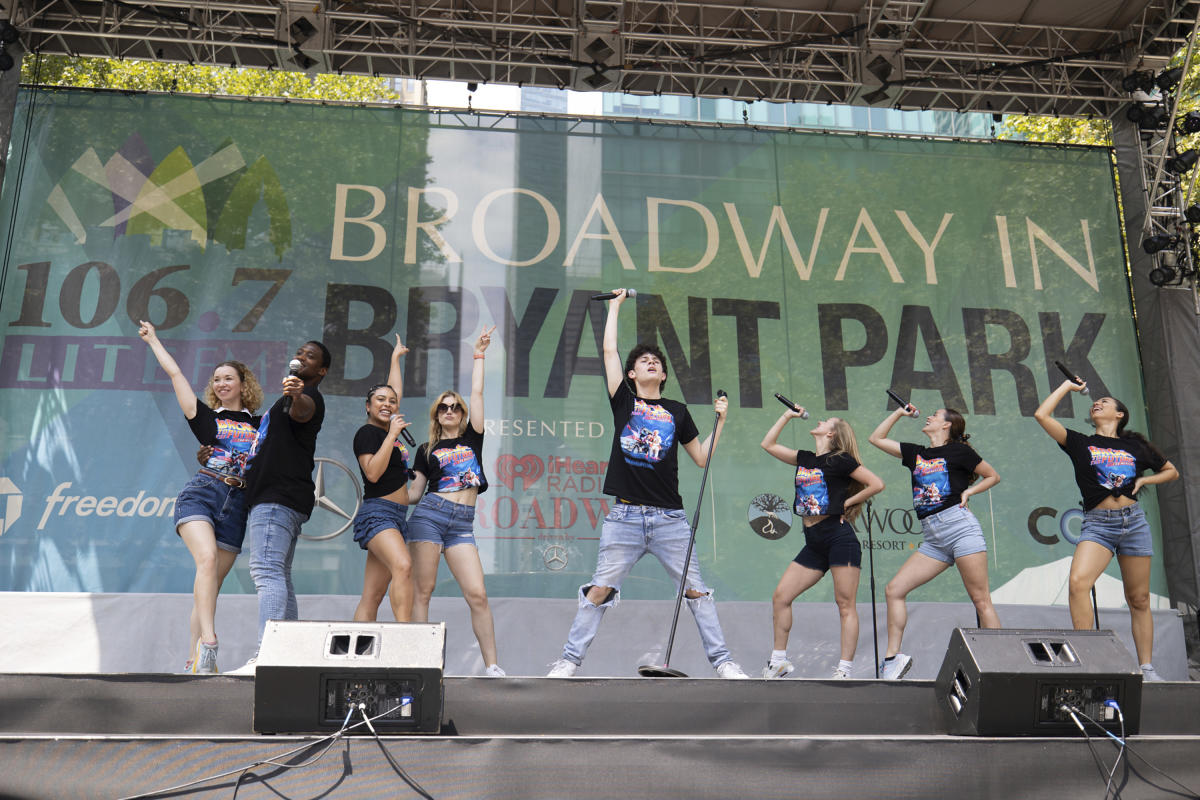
[(840, 674), (731, 671), (777, 669), (562, 669), (245, 669), (494, 671), (1150, 674), (895, 669), (206, 659)]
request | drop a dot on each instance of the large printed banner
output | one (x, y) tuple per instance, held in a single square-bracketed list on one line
[(825, 267)]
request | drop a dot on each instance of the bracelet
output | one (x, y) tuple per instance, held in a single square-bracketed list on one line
[(479, 356)]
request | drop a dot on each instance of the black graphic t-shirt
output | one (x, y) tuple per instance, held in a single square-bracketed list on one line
[(821, 482), (1106, 466), (281, 458), (643, 465), (231, 433), (939, 474), (367, 442), (453, 464)]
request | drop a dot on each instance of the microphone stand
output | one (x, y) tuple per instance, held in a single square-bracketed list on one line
[(665, 670), (871, 570)]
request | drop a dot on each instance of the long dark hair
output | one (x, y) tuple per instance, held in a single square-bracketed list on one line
[(958, 431), (1124, 434)]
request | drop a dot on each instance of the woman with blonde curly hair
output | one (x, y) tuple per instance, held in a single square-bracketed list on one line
[(831, 485), (451, 465), (210, 512)]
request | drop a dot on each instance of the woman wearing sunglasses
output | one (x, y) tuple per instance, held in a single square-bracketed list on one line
[(450, 465)]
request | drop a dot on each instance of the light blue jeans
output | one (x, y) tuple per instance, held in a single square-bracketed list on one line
[(630, 532), (273, 530)]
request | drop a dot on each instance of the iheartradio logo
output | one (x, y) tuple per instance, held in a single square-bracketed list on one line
[(526, 469)]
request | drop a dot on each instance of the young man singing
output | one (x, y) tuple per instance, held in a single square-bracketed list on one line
[(648, 517)]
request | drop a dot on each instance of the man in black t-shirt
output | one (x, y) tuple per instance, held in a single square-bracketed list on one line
[(279, 486), (648, 516)]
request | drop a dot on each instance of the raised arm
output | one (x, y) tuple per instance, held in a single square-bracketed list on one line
[(872, 485), (988, 478), (1044, 413), (699, 450), (879, 436), (476, 401), (395, 379), (770, 442), (614, 367), (183, 390)]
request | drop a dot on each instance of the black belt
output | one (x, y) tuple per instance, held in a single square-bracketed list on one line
[(228, 480)]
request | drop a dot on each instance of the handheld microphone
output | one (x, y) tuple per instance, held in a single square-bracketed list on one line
[(408, 437), (293, 369), (611, 295), (903, 404), (1071, 376), (791, 405)]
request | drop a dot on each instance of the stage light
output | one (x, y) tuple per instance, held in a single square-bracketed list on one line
[(1181, 163), (1146, 115), (1192, 213), (1168, 79), (1142, 80), (6, 61), (1162, 275), (1157, 242), (8, 34), (1190, 122)]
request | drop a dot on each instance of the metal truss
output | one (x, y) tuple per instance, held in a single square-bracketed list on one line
[(1064, 57)]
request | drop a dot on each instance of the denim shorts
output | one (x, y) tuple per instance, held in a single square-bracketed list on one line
[(206, 499), (830, 543), (951, 534), (1122, 530), (379, 514), (441, 521)]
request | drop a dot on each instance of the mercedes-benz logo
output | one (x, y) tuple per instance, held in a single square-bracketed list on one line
[(555, 557), (332, 493)]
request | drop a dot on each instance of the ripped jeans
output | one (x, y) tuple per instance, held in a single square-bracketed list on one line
[(630, 532)]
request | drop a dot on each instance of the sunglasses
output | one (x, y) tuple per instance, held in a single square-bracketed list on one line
[(448, 408)]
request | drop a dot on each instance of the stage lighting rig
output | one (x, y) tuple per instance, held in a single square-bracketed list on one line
[(1190, 123), (1147, 116), (1166, 271), (8, 35), (1140, 81), (1159, 242), (1169, 79), (1182, 162)]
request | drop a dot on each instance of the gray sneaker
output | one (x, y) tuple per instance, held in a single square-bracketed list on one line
[(1150, 674), (896, 668), (206, 658)]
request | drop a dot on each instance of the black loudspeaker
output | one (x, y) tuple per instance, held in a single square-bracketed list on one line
[(1017, 682), (311, 675)]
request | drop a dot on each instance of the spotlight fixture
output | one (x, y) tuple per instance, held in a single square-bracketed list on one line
[(1190, 122), (1181, 163), (1161, 276), (1168, 79), (1157, 242), (6, 61), (1142, 80), (1147, 116), (1192, 213)]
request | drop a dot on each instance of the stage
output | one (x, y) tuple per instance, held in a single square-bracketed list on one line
[(103, 730), (106, 736)]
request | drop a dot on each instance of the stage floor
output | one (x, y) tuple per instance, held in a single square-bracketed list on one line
[(105, 736)]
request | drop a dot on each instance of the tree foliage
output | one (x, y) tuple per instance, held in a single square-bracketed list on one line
[(155, 76)]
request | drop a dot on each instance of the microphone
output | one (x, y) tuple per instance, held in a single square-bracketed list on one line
[(791, 405), (611, 295), (903, 404), (1071, 376), (408, 437), (293, 369)]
